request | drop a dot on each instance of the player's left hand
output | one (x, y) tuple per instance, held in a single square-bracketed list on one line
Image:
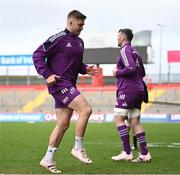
[(93, 71)]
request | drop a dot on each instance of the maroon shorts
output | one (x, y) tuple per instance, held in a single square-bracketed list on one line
[(65, 96), (129, 101)]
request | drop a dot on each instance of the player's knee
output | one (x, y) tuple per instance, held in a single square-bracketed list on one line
[(63, 126), (133, 125), (87, 111), (136, 126)]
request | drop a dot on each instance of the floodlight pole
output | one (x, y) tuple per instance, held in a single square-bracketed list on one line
[(160, 49)]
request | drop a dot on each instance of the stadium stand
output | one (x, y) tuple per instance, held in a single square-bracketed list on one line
[(35, 99)]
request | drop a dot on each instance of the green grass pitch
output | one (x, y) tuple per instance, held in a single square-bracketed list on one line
[(22, 145)]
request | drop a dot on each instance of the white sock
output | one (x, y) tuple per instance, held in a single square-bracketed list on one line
[(78, 143), (50, 154)]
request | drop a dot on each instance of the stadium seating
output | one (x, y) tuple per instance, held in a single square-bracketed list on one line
[(28, 100)]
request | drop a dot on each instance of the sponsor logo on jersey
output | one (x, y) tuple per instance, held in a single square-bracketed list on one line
[(124, 104), (68, 45), (122, 96)]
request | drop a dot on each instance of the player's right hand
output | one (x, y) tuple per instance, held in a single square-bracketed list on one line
[(51, 80), (114, 72)]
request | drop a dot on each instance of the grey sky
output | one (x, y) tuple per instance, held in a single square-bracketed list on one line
[(25, 24), (49, 14)]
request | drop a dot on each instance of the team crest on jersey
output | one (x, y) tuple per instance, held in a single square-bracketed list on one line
[(72, 90)]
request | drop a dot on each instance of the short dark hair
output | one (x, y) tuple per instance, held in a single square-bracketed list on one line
[(128, 33), (76, 14)]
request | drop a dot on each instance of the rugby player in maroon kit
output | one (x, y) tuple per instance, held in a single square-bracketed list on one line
[(129, 96), (59, 60)]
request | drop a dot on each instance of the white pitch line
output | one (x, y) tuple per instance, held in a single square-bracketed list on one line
[(156, 144)]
